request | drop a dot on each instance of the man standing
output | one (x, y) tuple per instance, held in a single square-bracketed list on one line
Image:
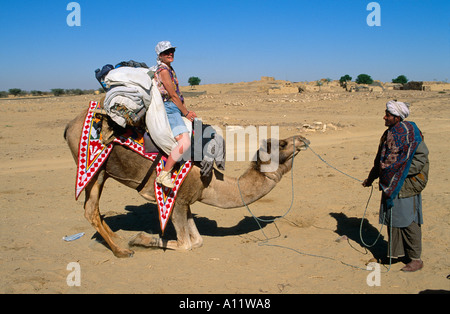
[(402, 167)]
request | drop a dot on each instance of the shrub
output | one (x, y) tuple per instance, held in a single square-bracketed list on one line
[(400, 79), (364, 79), (15, 91), (58, 91), (193, 80), (345, 78), (36, 93), (74, 91)]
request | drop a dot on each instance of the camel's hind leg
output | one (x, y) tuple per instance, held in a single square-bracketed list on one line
[(93, 192)]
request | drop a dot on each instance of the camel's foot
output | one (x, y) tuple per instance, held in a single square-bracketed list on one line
[(117, 245), (196, 243), (122, 253), (120, 247)]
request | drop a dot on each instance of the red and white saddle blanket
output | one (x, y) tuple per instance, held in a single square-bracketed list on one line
[(92, 154)]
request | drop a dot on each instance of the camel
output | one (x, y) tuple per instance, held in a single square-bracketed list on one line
[(137, 172)]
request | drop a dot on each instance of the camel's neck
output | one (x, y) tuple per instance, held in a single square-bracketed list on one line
[(226, 192)]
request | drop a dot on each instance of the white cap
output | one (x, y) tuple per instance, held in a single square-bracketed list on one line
[(163, 46), (398, 108)]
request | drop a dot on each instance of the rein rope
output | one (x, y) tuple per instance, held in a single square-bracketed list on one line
[(265, 242)]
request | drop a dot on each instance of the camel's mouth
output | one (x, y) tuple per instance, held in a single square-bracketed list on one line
[(301, 143)]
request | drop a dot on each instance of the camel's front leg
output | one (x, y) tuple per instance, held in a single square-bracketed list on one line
[(196, 238), (188, 236), (93, 192)]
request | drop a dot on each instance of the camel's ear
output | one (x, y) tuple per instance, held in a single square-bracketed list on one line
[(265, 149), (266, 144), (269, 155)]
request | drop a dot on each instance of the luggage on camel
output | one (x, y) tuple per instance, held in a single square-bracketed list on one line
[(131, 101), (128, 96), (100, 74), (132, 64)]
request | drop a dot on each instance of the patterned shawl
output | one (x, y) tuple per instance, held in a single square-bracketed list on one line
[(397, 151)]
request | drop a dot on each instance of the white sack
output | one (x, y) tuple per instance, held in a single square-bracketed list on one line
[(158, 125)]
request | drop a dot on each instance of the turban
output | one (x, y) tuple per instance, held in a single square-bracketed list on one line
[(398, 108)]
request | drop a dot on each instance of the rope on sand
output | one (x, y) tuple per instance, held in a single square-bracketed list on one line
[(265, 242)]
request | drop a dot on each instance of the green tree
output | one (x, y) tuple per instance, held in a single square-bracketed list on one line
[(58, 91), (15, 91), (193, 80), (364, 79), (36, 93), (345, 78), (74, 91), (400, 79)]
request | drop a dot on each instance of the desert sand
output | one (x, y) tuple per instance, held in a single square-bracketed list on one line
[(305, 251)]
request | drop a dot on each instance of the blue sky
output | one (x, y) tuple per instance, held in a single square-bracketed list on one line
[(223, 41)]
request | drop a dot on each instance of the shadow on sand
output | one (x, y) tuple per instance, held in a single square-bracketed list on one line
[(350, 227), (145, 218)]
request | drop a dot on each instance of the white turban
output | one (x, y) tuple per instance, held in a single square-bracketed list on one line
[(398, 108)]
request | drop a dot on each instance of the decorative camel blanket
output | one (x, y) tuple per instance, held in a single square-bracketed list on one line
[(92, 154), (165, 197)]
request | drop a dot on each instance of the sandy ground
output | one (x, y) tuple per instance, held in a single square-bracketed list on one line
[(301, 256)]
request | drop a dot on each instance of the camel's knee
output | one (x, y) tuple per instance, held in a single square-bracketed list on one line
[(88, 214), (91, 205), (92, 214)]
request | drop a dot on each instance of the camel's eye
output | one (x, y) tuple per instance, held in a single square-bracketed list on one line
[(282, 144)]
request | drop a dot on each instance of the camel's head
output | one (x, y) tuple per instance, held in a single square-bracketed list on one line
[(276, 155)]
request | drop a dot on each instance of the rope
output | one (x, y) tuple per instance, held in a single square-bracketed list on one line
[(265, 242), (326, 162)]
